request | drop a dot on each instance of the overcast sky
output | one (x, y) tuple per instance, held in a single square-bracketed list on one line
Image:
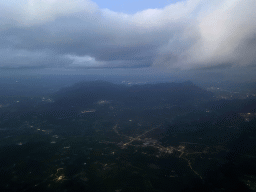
[(166, 35)]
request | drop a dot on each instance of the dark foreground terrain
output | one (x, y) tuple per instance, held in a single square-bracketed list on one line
[(99, 136)]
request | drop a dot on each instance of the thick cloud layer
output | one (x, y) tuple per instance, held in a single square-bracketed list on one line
[(78, 34)]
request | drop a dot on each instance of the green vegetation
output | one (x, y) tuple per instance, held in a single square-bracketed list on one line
[(142, 138)]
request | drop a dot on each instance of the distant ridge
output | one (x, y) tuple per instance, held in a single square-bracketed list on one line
[(86, 93)]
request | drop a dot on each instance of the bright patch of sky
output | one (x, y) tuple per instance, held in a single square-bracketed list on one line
[(133, 6)]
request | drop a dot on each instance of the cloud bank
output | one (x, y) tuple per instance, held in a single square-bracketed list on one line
[(78, 34)]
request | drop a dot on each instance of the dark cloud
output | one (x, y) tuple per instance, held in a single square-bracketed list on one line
[(77, 34)]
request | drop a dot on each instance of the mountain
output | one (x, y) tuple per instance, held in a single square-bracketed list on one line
[(87, 93)]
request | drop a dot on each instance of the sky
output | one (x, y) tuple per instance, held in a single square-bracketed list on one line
[(68, 35), (133, 6)]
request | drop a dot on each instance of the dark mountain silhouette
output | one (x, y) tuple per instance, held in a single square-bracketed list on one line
[(86, 93)]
